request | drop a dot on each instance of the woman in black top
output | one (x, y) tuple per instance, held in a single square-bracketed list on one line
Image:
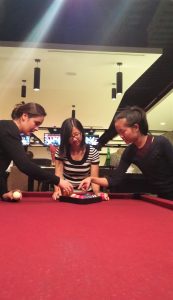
[(153, 155), (26, 118)]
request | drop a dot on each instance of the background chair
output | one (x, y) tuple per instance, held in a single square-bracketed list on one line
[(43, 162)]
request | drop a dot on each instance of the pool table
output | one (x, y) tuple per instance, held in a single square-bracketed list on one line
[(118, 249)]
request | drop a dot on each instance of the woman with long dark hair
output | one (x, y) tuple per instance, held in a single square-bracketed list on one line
[(74, 159)]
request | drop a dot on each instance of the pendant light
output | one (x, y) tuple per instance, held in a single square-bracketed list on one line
[(119, 77), (23, 89), (37, 76)]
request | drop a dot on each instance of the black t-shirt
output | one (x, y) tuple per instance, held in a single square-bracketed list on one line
[(155, 160), (11, 149)]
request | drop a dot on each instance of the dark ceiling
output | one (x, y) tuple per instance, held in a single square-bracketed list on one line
[(120, 23), (124, 23)]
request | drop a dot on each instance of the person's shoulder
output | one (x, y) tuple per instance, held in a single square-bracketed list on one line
[(10, 122), (6, 123), (129, 151), (92, 148), (160, 139), (129, 148), (9, 128)]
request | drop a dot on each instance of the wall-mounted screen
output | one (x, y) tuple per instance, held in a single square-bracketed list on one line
[(25, 139), (52, 139), (91, 139)]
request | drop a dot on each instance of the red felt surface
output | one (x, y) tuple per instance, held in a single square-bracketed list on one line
[(117, 249)]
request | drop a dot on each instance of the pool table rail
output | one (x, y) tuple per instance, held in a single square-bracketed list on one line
[(144, 197)]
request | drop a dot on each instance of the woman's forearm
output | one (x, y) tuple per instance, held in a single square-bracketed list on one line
[(102, 181), (95, 188)]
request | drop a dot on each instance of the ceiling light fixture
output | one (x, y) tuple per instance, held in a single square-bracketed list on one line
[(119, 77), (73, 113), (37, 76), (23, 89), (114, 92)]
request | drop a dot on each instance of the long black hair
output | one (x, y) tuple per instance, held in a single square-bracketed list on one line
[(66, 132)]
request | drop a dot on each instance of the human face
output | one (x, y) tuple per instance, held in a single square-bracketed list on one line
[(27, 124), (127, 133), (76, 137)]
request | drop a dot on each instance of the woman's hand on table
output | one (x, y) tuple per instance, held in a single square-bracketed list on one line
[(10, 196), (85, 184), (57, 193), (66, 187), (104, 196)]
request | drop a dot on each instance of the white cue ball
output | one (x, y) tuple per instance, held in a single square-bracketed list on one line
[(17, 195)]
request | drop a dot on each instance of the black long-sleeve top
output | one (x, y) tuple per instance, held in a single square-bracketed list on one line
[(11, 149), (155, 160)]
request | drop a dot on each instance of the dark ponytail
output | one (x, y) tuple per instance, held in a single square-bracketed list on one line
[(134, 115), (32, 109)]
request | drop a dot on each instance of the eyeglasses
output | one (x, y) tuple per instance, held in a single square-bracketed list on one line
[(75, 135)]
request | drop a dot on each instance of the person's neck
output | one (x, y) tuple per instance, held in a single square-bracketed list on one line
[(141, 141), (17, 123)]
